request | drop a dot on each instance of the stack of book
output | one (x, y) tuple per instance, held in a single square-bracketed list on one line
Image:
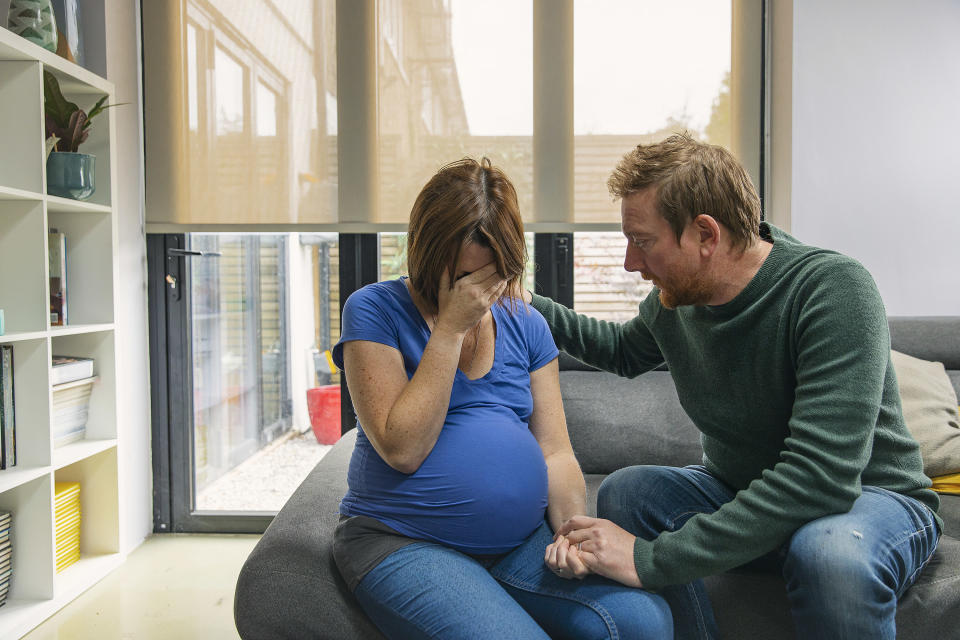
[(6, 555), (67, 521), (72, 379), (8, 421)]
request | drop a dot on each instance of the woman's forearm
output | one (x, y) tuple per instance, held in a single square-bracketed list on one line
[(567, 494), (418, 415)]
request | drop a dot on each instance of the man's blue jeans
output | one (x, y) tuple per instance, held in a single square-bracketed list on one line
[(426, 590), (843, 572)]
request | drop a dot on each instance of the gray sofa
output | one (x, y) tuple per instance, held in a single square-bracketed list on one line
[(289, 587)]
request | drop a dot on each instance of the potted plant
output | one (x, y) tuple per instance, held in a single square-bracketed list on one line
[(70, 174)]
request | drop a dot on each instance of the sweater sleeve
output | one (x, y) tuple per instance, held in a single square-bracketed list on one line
[(840, 347), (627, 349)]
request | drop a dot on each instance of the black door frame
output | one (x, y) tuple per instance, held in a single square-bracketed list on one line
[(171, 394)]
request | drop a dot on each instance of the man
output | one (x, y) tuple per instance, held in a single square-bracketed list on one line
[(781, 357)]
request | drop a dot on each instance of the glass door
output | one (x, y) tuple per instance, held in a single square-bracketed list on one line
[(240, 355), (239, 326)]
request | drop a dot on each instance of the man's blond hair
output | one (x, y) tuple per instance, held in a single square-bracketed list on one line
[(692, 178)]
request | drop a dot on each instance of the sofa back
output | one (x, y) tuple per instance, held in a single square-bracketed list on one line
[(615, 422)]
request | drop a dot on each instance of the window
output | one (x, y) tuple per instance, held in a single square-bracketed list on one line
[(266, 169), (451, 94)]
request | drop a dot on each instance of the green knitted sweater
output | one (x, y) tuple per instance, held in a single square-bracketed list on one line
[(790, 384)]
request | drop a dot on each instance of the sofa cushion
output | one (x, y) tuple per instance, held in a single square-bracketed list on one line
[(615, 422), (930, 411)]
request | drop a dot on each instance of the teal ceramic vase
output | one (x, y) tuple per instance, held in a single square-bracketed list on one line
[(71, 175), (34, 21)]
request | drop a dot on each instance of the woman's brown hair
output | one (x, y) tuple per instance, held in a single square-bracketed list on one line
[(465, 201)]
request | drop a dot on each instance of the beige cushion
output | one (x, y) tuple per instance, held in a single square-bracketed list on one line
[(930, 411)]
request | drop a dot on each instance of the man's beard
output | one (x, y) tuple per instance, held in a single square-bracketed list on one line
[(684, 290)]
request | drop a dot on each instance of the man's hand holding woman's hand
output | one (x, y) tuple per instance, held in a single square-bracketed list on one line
[(585, 545), (463, 305)]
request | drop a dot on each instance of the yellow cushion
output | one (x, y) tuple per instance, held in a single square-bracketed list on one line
[(947, 484)]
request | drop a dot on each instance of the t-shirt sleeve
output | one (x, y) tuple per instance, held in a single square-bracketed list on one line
[(367, 316), (540, 344)]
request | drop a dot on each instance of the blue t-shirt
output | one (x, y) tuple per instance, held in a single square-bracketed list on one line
[(483, 487)]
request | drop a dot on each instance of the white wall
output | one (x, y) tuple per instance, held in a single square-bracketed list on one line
[(122, 22), (876, 143)]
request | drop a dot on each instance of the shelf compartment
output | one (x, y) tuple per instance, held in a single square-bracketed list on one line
[(31, 379), (102, 419), (99, 502), (89, 265), (32, 536), (21, 125), (23, 242), (97, 144)]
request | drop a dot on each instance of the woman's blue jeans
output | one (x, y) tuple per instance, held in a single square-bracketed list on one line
[(426, 590), (843, 573)]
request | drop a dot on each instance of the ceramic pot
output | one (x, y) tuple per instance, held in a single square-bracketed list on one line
[(71, 175)]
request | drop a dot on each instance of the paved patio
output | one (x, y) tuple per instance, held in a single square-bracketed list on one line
[(264, 481)]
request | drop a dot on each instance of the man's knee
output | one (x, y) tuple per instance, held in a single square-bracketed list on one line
[(635, 496), (835, 562)]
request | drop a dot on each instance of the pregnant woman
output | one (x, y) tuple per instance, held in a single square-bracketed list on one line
[(463, 466)]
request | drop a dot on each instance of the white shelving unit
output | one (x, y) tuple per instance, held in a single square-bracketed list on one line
[(26, 213)]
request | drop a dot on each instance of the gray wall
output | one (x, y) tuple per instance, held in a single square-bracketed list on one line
[(876, 142)]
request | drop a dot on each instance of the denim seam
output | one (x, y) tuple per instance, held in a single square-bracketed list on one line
[(904, 537), (593, 605)]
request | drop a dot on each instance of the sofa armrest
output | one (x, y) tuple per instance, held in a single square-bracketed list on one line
[(289, 587)]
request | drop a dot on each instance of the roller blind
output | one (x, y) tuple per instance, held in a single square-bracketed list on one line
[(331, 114)]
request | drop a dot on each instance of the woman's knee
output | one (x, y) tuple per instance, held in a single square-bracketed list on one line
[(648, 616), (628, 614)]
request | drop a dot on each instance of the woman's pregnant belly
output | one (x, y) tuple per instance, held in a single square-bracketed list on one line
[(482, 489)]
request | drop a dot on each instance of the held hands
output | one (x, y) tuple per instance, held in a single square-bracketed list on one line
[(464, 305), (585, 545)]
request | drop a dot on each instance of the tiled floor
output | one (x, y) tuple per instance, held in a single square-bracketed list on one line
[(172, 586)]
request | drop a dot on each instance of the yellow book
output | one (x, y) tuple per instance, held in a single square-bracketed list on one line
[(65, 488), (67, 562)]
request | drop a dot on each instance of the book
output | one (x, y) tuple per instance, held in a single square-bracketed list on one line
[(71, 408), (57, 253), (67, 521), (8, 414), (70, 368)]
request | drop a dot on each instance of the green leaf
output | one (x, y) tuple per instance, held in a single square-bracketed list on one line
[(58, 107)]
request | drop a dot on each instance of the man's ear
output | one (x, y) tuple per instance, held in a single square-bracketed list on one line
[(708, 234)]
